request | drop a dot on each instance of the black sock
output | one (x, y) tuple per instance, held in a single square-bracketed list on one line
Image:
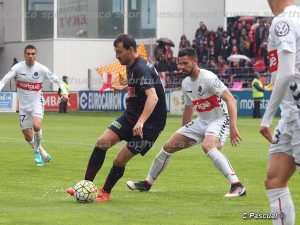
[(114, 175), (95, 163)]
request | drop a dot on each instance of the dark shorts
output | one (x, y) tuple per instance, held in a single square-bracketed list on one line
[(135, 144)]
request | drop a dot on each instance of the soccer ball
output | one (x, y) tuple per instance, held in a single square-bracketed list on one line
[(85, 191)]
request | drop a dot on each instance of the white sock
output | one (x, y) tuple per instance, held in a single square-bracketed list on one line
[(281, 202), (223, 165), (43, 152), (41, 149), (31, 143), (158, 164), (37, 137)]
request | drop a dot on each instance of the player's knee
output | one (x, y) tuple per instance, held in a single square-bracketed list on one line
[(274, 182), (36, 127), (119, 162), (28, 138), (103, 143), (207, 147), (169, 148)]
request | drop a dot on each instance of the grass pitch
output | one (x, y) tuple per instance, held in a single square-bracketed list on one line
[(189, 192)]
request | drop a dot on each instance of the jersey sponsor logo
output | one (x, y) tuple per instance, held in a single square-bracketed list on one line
[(29, 86), (146, 81), (188, 91), (23, 74), (131, 92), (273, 57), (282, 28), (116, 124), (207, 104)]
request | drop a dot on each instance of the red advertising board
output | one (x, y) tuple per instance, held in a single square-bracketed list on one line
[(52, 101)]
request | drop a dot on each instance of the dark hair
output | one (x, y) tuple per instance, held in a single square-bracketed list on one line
[(29, 47), (127, 40), (190, 52)]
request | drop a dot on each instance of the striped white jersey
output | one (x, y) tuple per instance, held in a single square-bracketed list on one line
[(204, 93), (29, 82)]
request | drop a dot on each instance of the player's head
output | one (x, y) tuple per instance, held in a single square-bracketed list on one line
[(187, 61), (125, 48), (30, 55), (277, 6)]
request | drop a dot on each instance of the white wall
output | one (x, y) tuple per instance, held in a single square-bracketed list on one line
[(73, 58), (170, 20), (11, 50), (249, 8), (210, 12), (13, 12)]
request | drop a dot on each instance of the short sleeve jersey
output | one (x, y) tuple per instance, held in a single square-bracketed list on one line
[(285, 36), (29, 82), (140, 77), (205, 94)]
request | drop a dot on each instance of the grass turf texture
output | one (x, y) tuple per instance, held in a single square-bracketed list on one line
[(190, 191)]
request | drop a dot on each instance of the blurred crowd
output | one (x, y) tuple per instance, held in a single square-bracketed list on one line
[(246, 36)]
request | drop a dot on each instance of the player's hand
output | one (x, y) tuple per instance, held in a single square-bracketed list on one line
[(117, 89), (138, 129), (266, 132), (235, 137), (64, 98)]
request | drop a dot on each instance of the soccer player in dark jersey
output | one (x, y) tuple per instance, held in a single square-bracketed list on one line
[(141, 123)]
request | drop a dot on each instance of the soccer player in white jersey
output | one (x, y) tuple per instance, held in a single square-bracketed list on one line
[(210, 97), (30, 76), (284, 153)]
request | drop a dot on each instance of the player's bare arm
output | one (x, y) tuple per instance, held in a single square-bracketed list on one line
[(231, 104), (150, 104), (117, 89), (187, 114)]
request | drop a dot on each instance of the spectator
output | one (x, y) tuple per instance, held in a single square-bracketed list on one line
[(203, 63), (201, 31), (258, 95), (15, 61), (184, 43), (225, 48), (159, 51), (201, 52), (259, 34), (63, 104)]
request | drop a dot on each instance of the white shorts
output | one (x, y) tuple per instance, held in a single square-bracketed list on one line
[(286, 140), (198, 129), (26, 115)]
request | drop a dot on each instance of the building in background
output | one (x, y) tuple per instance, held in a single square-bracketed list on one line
[(74, 36)]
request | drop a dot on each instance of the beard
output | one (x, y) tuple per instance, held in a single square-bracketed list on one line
[(188, 73)]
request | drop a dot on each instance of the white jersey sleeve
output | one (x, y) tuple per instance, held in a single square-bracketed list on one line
[(7, 77), (54, 79), (285, 71), (187, 99), (284, 57), (283, 35), (217, 86)]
